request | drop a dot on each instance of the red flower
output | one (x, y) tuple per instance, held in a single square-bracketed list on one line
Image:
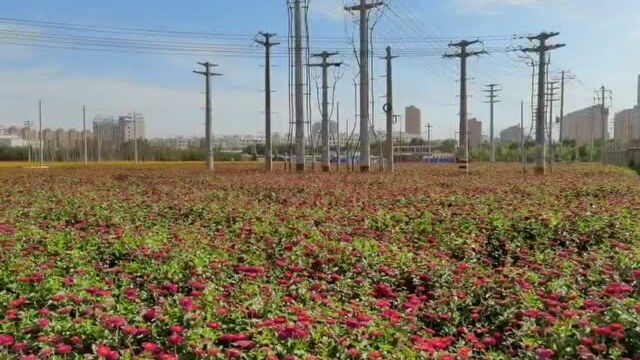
[(543, 353), (131, 294), (175, 339), (63, 349), (105, 352), (383, 291), (6, 340), (187, 303), (43, 323), (213, 325), (7, 229), (353, 352), (150, 347), (230, 338), (177, 329)]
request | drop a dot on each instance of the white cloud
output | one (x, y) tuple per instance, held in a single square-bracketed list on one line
[(493, 7), (329, 9)]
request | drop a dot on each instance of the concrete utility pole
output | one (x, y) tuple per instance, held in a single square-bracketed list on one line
[(565, 76), (266, 42), (463, 54), (602, 97), (84, 133), (493, 98), (522, 145), (325, 65), (41, 139), (542, 50), (388, 109), (299, 85), (208, 127), (429, 126), (338, 135), (551, 100), (135, 138), (365, 146)]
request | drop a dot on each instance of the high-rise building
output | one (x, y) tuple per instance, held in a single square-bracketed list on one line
[(106, 129), (627, 125), (585, 125), (511, 134), (413, 121), (475, 133), (131, 126)]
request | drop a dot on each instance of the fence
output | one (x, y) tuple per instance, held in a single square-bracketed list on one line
[(624, 156)]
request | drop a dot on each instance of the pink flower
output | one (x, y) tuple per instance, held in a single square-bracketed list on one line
[(230, 338), (7, 229), (187, 303), (353, 352), (543, 353), (175, 339), (43, 323), (105, 352), (6, 340), (213, 325), (131, 294), (177, 329), (150, 347), (170, 287), (63, 349), (383, 291)]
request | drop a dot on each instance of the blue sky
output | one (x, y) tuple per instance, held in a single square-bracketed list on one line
[(601, 40)]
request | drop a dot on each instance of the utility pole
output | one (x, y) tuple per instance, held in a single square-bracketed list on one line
[(522, 145), (429, 126), (493, 98), (338, 136), (542, 50), (41, 139), (208, 127), (299, 85), (325, 65), (84, 133), (551, 99), (266, 42), (602, 96), (463, 54), (135, 138), (388, 109), (365, 146)]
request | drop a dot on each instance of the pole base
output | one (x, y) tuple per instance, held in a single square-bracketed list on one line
[(539, 170), (364, 168), (326, 168), (299, 167)]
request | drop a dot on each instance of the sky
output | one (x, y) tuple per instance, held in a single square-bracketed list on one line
[(601, 49)]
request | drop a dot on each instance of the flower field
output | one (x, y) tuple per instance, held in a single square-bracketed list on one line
[(172, 263)]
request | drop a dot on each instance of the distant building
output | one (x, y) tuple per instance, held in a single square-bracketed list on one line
[(475, 133), (106, 129), (413, 121), (131, 126), (585, 125), (12, 141), (511, 134), (627, 125)]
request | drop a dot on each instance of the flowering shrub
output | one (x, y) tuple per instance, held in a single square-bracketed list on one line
[(429, 263)]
